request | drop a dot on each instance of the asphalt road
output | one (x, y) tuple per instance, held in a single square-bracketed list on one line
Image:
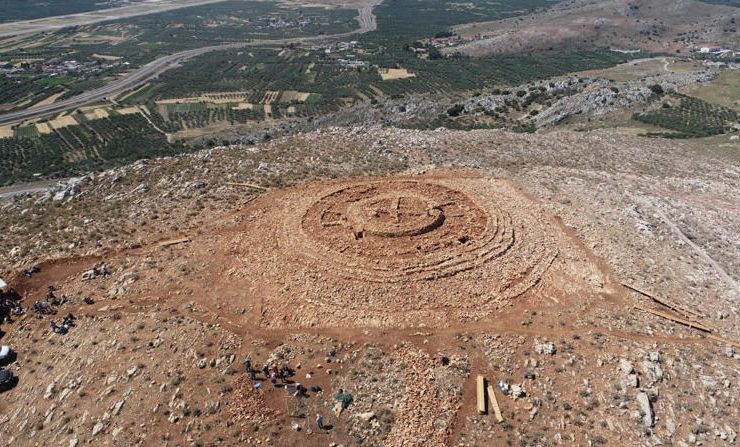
[(164, 63), (8, 192)]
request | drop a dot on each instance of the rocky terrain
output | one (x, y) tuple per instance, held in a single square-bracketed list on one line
[(531, 106), (156, 358)]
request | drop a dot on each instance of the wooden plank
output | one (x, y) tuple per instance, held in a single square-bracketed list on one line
[(689, 323), (247, 185), (494, 404), (481, 395), (169, 242), (688, 313)]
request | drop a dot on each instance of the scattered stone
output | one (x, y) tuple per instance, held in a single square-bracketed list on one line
[(366, 416), (117, 407), (631, 381), (97, 428), (547, 348), (709, 382), (50, 390), (648, 419), (653, 371), (626, 366), (518, 391)]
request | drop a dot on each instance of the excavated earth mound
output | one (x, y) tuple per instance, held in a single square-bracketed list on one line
[(430, 250)]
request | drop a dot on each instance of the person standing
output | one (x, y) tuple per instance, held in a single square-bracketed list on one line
[(249, 369), (320, 421)]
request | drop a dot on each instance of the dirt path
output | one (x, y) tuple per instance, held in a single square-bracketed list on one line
[(9, 192)]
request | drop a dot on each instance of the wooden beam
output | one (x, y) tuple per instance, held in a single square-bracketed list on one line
[(494, 404), (481, 393), (689, 323), (688, 313), (169, 242)]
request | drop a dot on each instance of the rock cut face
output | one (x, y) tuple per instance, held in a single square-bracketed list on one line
[(434, 250)]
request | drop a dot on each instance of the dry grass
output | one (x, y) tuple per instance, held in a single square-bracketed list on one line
[(640, 68), (96, 114), (106, 57), (388, 74), (49, 100), (213, 98), (128, 110), (725, 90), (44, 128), (292, 95), (63, 121)]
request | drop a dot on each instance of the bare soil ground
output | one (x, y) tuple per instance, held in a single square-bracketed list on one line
[(642, 68), (388, 74), (655, 26), (372, 252)]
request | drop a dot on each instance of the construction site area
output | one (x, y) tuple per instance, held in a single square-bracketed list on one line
[(419, 295)]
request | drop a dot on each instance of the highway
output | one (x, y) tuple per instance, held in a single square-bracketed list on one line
[(154, 68)]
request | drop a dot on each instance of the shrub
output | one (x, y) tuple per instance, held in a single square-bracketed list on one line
[(657, 89), (455, 110)]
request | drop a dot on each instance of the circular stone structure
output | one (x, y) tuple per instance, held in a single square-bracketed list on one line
[(400, 230), (432, 248)]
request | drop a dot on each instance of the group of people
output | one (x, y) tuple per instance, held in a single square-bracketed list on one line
[(96, 271), (9, 305), (274, 373), (270, 371), (62, 329), (49, 305), (27, 273)]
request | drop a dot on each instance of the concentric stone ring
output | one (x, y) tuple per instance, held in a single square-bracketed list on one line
[(401, 230)]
